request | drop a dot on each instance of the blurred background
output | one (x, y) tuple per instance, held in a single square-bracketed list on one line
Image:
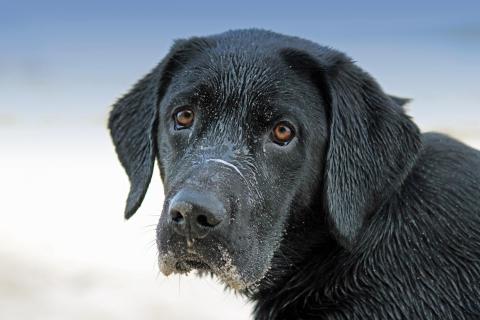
[(65, 250)]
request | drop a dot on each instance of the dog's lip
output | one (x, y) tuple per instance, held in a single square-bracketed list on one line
[(184, 264), (191, 262), (172, 262)]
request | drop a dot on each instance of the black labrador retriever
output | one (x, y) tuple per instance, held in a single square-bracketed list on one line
[(291, 176)]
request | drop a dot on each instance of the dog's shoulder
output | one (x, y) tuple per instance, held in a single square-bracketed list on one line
[(448, 163), (444, 184), (441, 143)]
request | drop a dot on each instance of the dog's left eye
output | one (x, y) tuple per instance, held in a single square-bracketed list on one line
[(283, 133), (183, 119)]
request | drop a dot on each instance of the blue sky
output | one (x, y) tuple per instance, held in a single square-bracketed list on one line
[(63, 59)]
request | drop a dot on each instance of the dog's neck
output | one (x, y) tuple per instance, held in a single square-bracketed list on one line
[(307, 250), (305, 268)]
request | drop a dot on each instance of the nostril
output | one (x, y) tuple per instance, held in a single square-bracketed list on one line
[(177, 216), (205, 221)]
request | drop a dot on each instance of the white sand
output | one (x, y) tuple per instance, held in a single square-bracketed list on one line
[(65, 250)]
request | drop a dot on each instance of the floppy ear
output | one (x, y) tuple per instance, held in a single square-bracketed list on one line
[(133, 121), (372, 145), (400, 101)]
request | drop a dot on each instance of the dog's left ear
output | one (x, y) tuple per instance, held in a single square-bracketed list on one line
[(402, 102), (372, 145), (133, 120)]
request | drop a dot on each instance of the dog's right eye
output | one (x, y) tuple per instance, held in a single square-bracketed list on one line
[(183, 119)]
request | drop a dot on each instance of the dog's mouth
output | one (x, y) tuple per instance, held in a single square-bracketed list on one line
[(191, 263), (183, 264), (222, 267)]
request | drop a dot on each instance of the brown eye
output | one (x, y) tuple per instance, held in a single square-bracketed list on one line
[(283, 133), (183, 119)]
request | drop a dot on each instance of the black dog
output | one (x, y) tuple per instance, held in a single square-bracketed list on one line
[(295, 179)]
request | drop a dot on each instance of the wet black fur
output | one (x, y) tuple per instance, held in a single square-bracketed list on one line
[(392, 229)]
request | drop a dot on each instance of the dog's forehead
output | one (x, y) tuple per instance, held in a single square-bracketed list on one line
[(250, 80), (243, 76), (243, 87)]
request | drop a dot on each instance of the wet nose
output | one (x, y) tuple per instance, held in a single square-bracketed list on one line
[(194, 214)]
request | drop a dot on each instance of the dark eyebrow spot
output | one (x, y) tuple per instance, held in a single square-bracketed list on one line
[(203, 94), (194, 96)]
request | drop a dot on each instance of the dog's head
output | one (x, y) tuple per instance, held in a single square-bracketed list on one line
[(249, 128)]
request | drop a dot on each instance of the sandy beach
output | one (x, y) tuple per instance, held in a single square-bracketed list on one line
[(65, 250)]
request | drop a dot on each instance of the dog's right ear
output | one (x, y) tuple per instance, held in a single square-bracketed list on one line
[(133, 120)]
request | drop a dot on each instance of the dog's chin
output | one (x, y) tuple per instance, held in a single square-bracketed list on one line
[(223, 269)]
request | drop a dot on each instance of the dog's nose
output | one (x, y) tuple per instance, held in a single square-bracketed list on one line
[(194, 214)]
